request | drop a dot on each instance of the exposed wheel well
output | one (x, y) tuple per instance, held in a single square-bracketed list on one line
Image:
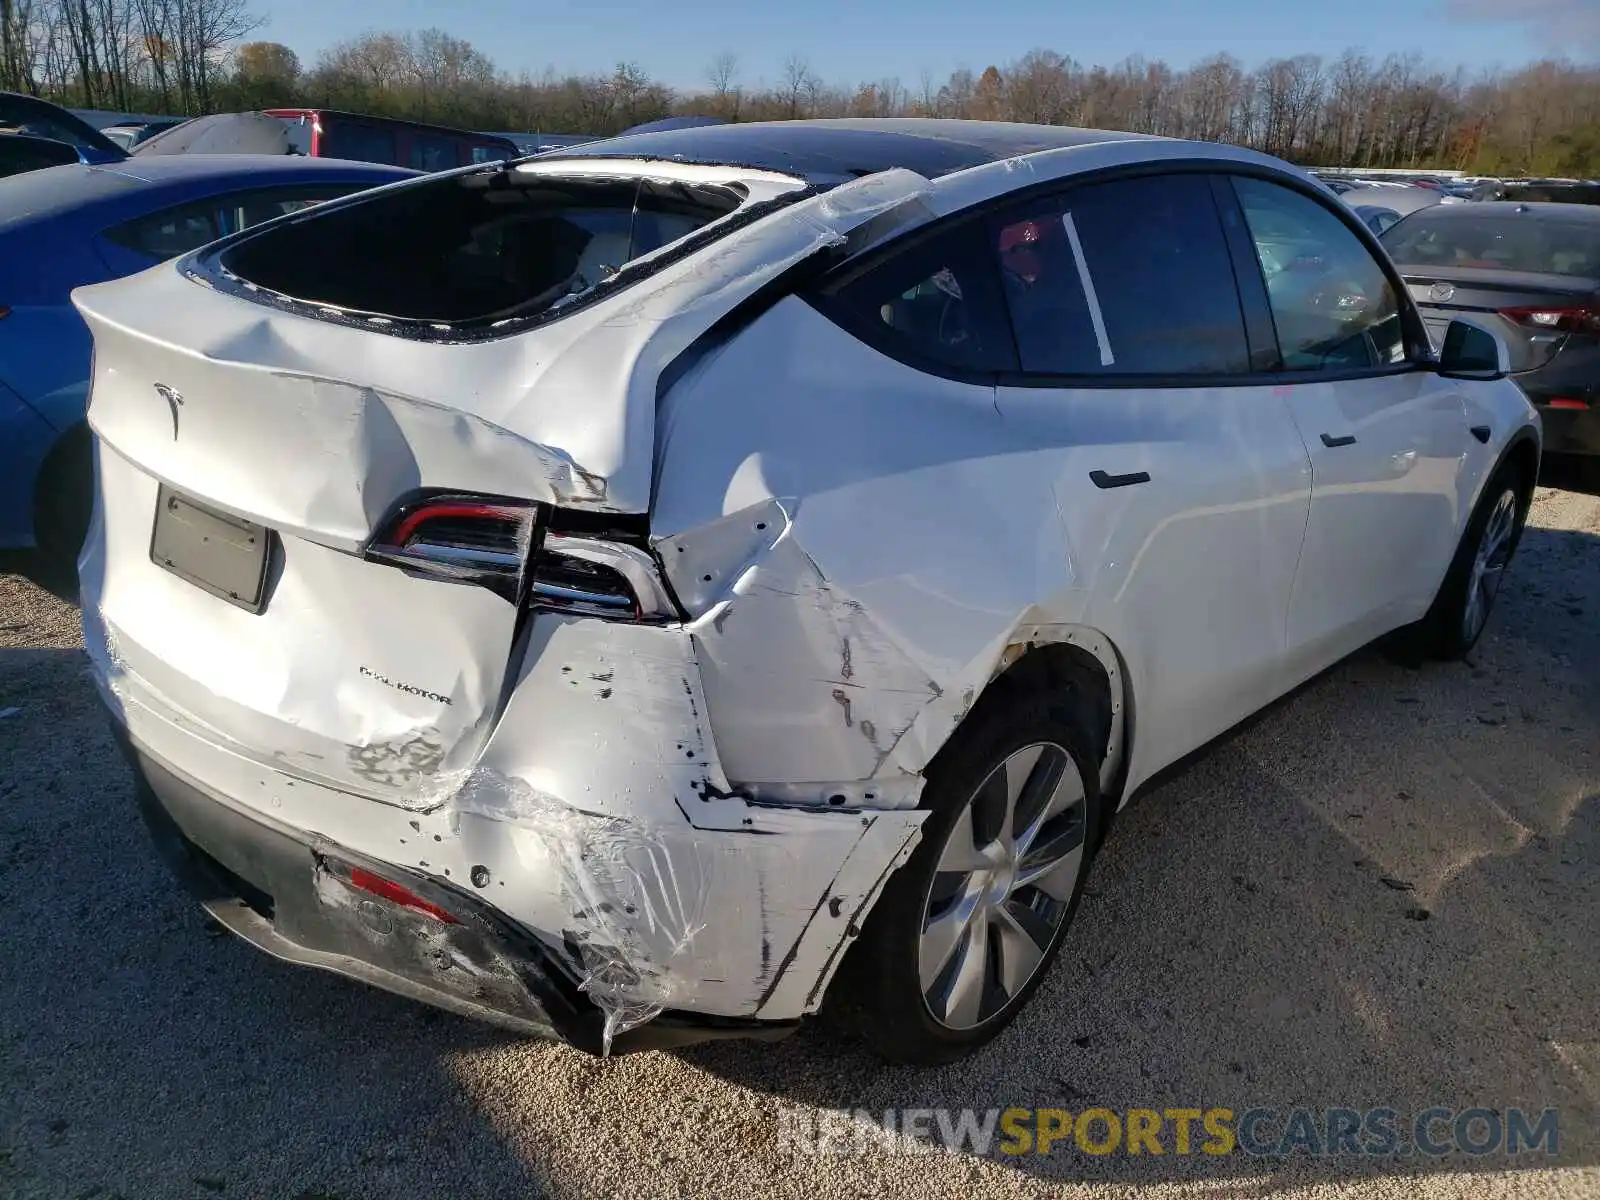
[(1085, 666)]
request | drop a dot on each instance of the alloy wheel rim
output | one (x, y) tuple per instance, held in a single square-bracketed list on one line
[(1489, 564), (1002, 887)]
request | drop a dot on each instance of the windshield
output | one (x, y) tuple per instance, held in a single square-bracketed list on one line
[(1500, 241)]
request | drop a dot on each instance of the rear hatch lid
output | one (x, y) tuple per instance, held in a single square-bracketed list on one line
[(240, 412)]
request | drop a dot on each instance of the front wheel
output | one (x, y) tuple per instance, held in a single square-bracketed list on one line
[(1461, 610), (966, 931)]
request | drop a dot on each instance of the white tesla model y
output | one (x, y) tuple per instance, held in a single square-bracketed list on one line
[(714, 576)]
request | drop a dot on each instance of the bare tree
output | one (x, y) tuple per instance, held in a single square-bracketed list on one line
[(799, 85)]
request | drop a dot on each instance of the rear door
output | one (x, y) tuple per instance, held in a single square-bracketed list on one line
[(1182, 484), (1386, 435)]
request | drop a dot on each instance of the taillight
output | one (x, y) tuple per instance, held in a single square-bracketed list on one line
[(599, 577), (504, 545), (387, 889), (1555, 320), (476, 539)]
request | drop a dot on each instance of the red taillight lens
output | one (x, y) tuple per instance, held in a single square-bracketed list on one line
[(476, 539), (1555, 320), (1566, 402), (386, 889)]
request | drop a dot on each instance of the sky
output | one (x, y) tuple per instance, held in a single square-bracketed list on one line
[(851, 41)]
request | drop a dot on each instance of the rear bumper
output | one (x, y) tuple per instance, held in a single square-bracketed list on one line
[(290, 894), (1572, 376), (1570, 430)]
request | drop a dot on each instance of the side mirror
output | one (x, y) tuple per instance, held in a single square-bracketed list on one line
[(1472, 352)]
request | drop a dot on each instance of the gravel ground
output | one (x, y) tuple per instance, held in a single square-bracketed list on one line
[(1381, 893)]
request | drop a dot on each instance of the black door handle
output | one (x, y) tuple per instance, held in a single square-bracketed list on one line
[(1102, 480), (1482, 432), (1331, 442)]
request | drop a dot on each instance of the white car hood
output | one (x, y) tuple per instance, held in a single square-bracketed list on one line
[(317, 427)]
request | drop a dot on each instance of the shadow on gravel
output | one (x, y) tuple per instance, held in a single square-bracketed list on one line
[(147, 1055), (1571, 473), (1381, 894)]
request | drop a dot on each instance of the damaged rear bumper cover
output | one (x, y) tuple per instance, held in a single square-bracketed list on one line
[(296, 897)]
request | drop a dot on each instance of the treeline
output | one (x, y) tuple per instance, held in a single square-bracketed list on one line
[(184, 56)]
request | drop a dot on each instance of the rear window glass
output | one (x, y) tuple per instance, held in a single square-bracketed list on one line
[(298, 130), (1498, 241), (180, 229), (477, 248), (358, 142), (937, 300), (431, 152)]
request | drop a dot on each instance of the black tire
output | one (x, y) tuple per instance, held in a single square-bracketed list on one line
[(878, 996), (63, 502), (1449, 631)]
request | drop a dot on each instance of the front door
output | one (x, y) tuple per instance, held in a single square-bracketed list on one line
[(1386, 436)]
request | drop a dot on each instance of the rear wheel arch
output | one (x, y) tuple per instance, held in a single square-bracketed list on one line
[(1072, 658)]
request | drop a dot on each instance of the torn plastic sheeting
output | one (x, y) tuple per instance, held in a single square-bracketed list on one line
[(641, 897), (637, 897)]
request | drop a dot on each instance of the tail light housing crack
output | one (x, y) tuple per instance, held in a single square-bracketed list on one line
[(510, 546)]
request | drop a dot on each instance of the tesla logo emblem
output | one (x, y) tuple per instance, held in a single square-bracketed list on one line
[(1441, 292), (174, 402)]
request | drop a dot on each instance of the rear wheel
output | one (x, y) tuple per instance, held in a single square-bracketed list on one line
[(966, 931), (1461, 610)]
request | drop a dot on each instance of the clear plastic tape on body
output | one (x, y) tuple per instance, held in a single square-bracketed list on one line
[(636, 896)]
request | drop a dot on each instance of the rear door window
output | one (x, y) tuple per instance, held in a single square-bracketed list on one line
[(1332, 302), (1129, 277)]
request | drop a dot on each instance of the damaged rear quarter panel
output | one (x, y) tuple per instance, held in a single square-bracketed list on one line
[(855, 542), (604, 781)]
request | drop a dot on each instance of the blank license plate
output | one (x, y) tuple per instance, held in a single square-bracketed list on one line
[(218, 553)]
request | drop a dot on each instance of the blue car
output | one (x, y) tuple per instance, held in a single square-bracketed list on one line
[(65, 226)]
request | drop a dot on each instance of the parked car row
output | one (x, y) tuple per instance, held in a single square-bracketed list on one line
[(66, 226)]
